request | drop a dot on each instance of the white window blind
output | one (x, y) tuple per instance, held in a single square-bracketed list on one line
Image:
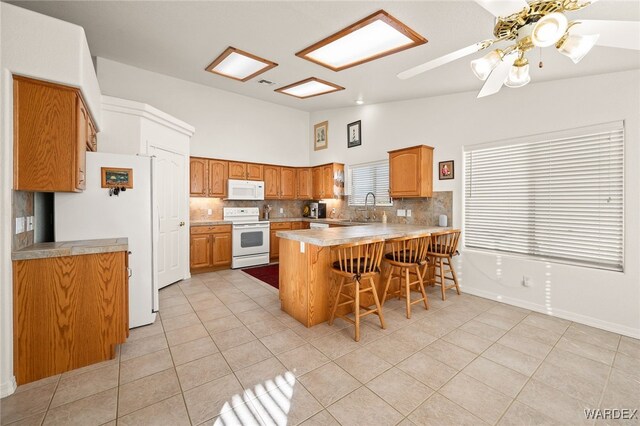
[(556, 196), (369, 177)]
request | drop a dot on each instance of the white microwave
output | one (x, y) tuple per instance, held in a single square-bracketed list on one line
[(245, 190)]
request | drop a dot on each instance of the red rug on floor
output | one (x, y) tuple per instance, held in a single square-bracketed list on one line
[(268, 274)]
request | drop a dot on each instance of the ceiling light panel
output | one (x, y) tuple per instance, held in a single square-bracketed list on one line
[(310, 87), (239, 65), (371, 38)]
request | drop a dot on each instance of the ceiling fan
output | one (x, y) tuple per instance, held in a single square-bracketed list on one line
[(539, 23)]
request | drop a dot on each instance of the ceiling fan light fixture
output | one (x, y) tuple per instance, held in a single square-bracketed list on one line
[(518, 76), (576, 47), (549, 29), (482, 67)]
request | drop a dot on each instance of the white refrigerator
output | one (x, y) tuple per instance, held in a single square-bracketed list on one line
[(94, 214)]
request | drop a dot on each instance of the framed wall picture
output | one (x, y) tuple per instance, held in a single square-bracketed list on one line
[(354, 134), (117, 177), (321, 136), (445, 170)]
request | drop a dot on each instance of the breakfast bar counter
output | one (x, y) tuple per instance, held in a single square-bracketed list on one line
[(306, 287)]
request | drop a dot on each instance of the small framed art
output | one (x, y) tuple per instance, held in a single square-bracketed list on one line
[(321, 136), (354, 134), (445, 170), (117, 177)]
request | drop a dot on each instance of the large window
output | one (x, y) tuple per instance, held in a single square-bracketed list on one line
[(369, 177), (555, 196)]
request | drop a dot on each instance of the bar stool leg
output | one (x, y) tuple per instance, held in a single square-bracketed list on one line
[(443, 280), (453, 274), (407, 280), (335, 305), (357, 308), (421, 282), (388, 283), (377, 302)]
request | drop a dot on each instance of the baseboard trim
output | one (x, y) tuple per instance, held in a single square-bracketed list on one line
[(568, 315), (8, 387)]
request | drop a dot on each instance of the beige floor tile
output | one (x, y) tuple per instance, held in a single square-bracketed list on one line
[(570, 383), (476, 397), (323, 418), (329, 383), (483, 330), (247, 354), (554, 403), (547, 337), (143, 346), (180, 321), (500, 378), (592, 370), (525, 345), (401, 391), (34, 420), (467, 341), (254, 315), (520, 414), (621, 390), (513, 359), (450, 354), (365, 408), (282, 341), (211, 399), (628, 364), (38, 383), (26, 404), (232, 338), (147, 391), (317, 331), (439, 411), (193, 350), (219, 325), (511, 312), (629, 346), (303, 359), (145, 365), (170, 412), (414, 336), (592, 335), (267, 327), (390, 349), (429, 371), (186, 334), (92, 367), (213, 313), (496, 320), (438, 324), (289, 404), (146, 331), (202, 370), (362, 364), (172, 301), (547, 322), (335, 345), (243, 306), (175, 311), (262, 377), (82, 385), (93, 410)]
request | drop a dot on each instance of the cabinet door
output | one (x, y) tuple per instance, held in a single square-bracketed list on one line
[(296, 225), (318, 183), (274, 245), (404, 173), (82, 135), (287, 183), (327, 177), (304, 184), (221, 249), (218, 178), (198, 177), (271, 182), (200, 251), (255, 171), (237, 170)]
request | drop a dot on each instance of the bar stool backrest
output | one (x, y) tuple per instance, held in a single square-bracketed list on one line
[(412, 249), (365, 256), (445, 242)]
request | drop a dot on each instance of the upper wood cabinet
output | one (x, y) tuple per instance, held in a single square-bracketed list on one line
[(328, 181), (271, 182), (218, 178), (279, 183), (208, 178), (52, 132), (304, 184), (411, 172), (245, 171), (287, 183), (317, 183), (255, 171)]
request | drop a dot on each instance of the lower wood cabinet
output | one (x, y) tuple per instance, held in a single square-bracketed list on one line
[(210, 248), (274, 240), (68, 312)]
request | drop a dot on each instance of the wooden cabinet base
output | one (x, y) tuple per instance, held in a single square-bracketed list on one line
[(68, 312), (196, 271)]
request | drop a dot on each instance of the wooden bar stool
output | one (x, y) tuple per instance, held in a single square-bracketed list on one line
[(406, 258), (356, 265), (444, 245)]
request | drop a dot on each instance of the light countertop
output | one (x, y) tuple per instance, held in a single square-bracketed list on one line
[(278, 220), (71, 248), (351, 234)]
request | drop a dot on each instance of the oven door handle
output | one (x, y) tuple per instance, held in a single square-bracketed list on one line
[(250, 226)]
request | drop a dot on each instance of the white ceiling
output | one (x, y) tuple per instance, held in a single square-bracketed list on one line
[(181, 38)]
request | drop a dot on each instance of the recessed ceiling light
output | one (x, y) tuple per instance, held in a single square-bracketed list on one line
[(239, 65), (359, 101), (371, 38), (310, 87)]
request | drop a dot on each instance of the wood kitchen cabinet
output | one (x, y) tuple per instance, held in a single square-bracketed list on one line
[(279, 183), (255, 171), (210, 248), (245, 171), (208, 178), (218, 178), (68, 312), (271, 182), (304, 183), (411, 172), (328, 181), (274, 240), (287, 183), (52, 132)]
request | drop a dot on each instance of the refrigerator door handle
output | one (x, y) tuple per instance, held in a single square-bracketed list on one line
[(130, 272)]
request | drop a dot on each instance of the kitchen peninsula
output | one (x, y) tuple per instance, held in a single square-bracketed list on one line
[(306, 288)]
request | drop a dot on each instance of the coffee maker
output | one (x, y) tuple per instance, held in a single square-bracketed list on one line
[(318, 210)]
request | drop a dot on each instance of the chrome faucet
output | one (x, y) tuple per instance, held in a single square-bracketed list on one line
[(366, 205)]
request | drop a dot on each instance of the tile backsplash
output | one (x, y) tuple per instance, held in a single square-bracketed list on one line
[(22, 206), (424, 211)]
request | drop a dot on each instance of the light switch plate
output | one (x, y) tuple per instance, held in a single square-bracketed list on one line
[(408, 212), (20, 224), (301, 246), (281, 210), (29, 223), (209, 212), (401, 213)]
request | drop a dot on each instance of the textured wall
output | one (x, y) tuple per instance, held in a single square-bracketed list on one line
[(22, 207)]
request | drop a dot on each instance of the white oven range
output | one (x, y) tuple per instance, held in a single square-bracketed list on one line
[(250, 236)]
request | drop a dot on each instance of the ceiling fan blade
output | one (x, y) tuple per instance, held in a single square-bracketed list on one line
[(498, 76), (622, 34), (449, 57), (502, 7)]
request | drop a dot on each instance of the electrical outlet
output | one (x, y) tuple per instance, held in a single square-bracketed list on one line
[(526, 281), (209, 212), (30, 223), (20, 224), (409, 213), (281, 210), (401, 213), (301, 246)]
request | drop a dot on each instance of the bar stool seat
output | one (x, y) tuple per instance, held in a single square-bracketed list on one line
[(444, 246), (406, 258), (356, 265)]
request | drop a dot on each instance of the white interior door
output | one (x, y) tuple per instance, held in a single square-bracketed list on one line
[(169, 197)]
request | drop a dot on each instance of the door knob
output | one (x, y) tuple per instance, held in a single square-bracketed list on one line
[(181, 223)]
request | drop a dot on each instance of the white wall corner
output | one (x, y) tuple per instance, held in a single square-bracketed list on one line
[(8, 387)]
